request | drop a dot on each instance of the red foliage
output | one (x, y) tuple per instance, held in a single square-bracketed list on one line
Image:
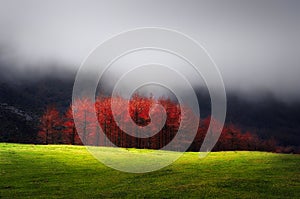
[(50, 123), (134, 116), (232, 138), (69, 128)]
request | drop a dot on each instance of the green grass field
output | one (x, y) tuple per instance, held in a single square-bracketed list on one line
[(60, 171)]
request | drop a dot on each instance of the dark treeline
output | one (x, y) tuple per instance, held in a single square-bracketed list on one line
[(56, 128), (266, 117)]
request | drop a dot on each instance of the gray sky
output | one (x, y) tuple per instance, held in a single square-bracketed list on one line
[(255, 43)]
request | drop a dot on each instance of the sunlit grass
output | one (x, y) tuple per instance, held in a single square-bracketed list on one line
[(60, 171)]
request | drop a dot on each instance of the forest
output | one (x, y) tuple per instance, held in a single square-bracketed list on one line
[(57, 128)]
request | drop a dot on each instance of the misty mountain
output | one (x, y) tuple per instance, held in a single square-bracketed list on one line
[(17, 125), (36, 91), (267, 116)]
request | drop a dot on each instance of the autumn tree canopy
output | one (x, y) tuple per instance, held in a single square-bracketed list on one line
[(134, 116)]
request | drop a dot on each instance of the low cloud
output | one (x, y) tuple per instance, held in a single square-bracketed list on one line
[(255, 44)]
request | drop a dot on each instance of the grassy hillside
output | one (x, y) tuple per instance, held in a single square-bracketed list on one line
[(28, 171)]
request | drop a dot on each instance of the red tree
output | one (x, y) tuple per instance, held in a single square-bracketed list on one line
[(50, 126), (69, 130), (134, 116)]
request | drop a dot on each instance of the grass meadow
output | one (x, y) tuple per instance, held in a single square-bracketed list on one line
[(65, 171)]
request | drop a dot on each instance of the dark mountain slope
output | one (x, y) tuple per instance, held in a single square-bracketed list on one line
[(267, 117)]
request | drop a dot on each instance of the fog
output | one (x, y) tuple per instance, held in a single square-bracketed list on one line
[(254, 43)]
